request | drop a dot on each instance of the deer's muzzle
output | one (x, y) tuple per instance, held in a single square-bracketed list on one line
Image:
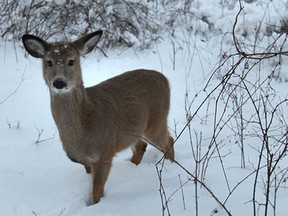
[(59, 84)]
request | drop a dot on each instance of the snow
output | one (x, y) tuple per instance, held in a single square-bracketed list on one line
[(38, 179)]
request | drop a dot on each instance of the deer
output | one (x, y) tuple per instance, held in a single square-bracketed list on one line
[(95, 123)]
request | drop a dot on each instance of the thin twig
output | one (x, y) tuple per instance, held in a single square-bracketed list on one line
[(16, 89), (40, 132)]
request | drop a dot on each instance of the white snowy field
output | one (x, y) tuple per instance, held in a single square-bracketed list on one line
[(36, 177)]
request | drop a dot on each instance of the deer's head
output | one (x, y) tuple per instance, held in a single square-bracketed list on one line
[(61, 60)]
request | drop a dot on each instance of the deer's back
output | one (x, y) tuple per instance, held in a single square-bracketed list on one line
[(138, 86)]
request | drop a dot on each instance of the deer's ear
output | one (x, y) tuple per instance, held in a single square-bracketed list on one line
[(88, 42), (35, 46)]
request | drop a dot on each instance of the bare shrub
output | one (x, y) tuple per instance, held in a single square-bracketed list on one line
[(249, 113), (125, 22)]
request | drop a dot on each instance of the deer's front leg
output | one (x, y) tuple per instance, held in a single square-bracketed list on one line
[(100, 172)]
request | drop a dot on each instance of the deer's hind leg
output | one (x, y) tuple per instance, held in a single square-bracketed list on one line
[(162, 140), (168, 148), (87, 168), (138, 149)]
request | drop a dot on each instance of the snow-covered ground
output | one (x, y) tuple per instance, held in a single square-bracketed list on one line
[(36, 177)]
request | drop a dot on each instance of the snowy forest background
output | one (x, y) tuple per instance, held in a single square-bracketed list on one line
[(227, 65)]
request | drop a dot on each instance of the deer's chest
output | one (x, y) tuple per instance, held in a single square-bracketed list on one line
[(81, 149)]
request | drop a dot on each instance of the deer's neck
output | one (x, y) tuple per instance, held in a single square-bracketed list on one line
[(71, 110)]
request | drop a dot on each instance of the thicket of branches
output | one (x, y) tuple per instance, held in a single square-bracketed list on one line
[(137, 23), (125, 22)]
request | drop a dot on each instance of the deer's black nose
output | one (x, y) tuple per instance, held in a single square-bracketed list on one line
[(59, 84)]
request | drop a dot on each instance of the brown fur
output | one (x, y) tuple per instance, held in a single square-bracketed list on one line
[(97, 122)]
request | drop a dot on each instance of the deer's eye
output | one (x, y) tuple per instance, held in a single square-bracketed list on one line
[(71, 62), (49, 63)]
